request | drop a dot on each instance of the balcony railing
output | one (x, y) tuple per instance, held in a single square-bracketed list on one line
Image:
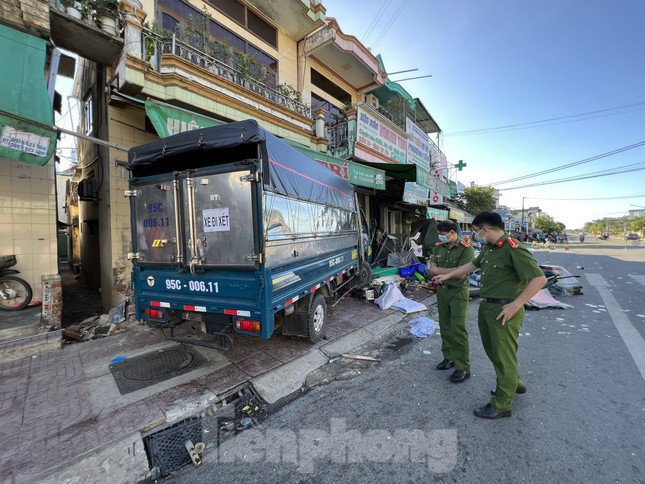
[(154, 46), (338, 136)]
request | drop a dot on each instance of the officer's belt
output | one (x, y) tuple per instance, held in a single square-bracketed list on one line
[(497, 301), (448, 286)]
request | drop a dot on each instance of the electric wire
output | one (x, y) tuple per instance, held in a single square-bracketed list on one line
[(616, 171), (579, 199), (529, 123), (390, 23), (570, 165), (378, 16)]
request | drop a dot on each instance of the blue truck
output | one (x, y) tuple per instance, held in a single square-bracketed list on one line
[(239, 231)]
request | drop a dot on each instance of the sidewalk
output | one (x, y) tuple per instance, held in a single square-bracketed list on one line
[(63, 418)]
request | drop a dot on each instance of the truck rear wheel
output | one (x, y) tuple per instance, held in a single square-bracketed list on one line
[(316, 319), (364, 275)]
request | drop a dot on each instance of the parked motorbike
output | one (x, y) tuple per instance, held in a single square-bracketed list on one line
[(604, 237), (15, 293)]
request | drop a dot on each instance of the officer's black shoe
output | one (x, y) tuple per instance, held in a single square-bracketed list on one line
[(488, 411), (445, 365), (459, 376), (519, 391)]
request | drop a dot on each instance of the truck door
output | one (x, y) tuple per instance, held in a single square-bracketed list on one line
[(154, 217), (222, 219)]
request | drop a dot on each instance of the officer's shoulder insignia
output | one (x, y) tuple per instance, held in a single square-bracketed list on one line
[(464, 244), (513, 243)]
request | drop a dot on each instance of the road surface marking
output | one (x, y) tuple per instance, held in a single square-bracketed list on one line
[(637, 278), (631, 337)]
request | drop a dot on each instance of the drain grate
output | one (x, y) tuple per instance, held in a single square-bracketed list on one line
[(233, 413), (142, 371), (167, 448)]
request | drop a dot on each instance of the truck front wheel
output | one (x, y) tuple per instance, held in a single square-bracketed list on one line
[(316, 319)]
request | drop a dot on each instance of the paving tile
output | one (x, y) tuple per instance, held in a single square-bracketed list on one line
[(171, 396), (13, 386), (224, 379), (11, 411), (288, 350), (104, 348), (239, 351), (40, 455), (121, 421), (7, 463), (258, 364)]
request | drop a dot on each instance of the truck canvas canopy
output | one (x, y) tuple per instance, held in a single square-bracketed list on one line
[(285, 170)]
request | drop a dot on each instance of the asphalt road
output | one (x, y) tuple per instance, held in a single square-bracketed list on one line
[(400, 420)]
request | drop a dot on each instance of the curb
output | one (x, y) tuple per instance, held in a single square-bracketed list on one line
[(288, 379), (30, 345)]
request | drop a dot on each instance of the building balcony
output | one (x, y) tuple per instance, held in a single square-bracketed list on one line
[(83, 38), (168, 56), (345, 55)]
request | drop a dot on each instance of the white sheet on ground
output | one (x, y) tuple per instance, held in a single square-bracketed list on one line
[(544, 299), (408, 306)]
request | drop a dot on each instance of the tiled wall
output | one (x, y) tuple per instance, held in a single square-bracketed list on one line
[(28, 220)]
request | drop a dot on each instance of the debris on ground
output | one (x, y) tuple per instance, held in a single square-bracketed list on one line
[(423, 326), (359, 357), (543, 300), (92, 328)]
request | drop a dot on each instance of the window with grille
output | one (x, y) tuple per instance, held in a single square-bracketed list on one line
[(176, 14), (247, 18)]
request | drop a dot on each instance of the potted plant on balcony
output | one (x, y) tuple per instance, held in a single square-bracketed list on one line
[(73, 8), (108, 13), (243, 63), (87, 11)]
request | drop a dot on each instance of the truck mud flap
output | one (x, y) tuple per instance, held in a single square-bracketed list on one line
[(218, 341)]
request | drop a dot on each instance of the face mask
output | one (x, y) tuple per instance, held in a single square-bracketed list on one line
[(444, 239), (481, 240)]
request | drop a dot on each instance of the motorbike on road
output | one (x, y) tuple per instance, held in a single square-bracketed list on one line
[(582, 238), (15, 293)]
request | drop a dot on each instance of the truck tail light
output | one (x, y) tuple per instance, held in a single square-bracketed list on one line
[(153, 313), (250, 325)]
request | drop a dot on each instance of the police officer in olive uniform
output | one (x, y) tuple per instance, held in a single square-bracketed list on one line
[(452, 300), (510, 276)]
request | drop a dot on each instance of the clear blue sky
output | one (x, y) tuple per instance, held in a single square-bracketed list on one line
[(506, 62)]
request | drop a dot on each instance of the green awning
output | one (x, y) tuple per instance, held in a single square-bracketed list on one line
[(406, 172), (26, 114), (169, 120)]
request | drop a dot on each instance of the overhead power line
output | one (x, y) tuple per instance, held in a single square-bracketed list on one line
[(378, 16), (570, 165), (614, 171), (538, 124), (390, 23), (580, 199)]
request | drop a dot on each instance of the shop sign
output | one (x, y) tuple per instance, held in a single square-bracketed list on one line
[(418, 149), (379, 137), (415, 194), (357, 174)]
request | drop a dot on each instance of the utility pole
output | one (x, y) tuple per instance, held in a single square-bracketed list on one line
[(522, 223)]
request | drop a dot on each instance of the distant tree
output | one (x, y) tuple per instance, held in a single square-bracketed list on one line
[(638, 224), (546, 223), (611, 225), (561, 227), (476, 199)]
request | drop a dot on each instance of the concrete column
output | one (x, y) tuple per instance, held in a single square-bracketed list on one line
[(52, 307), (320, 114)]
